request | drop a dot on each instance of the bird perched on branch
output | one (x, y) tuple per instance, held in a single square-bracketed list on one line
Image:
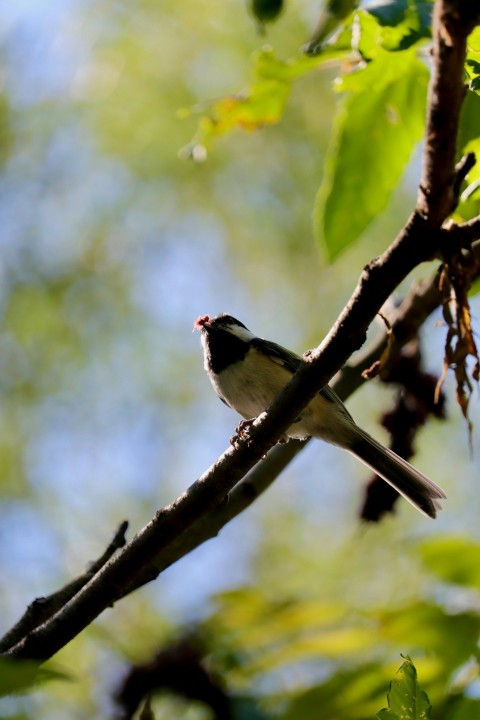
[(247, 372)]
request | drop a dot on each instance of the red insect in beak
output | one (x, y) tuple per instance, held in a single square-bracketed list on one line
[(200, 322)]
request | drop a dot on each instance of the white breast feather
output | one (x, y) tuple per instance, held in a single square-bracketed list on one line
[(249, 386)]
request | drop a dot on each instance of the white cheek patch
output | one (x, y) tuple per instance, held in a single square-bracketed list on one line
[(242, 333), (203, 340)]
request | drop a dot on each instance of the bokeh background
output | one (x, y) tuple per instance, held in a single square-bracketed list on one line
[(110, 246)]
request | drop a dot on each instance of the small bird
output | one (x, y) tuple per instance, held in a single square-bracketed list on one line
[(247, 372)]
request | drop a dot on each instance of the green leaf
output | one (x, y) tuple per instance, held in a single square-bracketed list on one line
[(392, 26), (469, 127), (332, 14), (368, 35), (472, 62), (406, 701), (469, 141), (403, 22), (376, 29), (260, 105), (380, 120), (263, 102)]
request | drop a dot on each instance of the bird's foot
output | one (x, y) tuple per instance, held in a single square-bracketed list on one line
[(242, 433)]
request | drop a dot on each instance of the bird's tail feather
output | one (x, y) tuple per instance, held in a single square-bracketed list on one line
[(415, 487)]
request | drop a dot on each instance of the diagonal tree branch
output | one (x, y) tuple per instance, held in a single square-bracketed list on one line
[(419, 241), (405, 324), (209, 491)]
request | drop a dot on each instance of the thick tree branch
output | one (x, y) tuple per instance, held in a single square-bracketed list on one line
[(405, 324), (453, 21), (419, 241), (208, 492)]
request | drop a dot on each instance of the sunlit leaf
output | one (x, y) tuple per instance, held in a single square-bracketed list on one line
[(380, 120), (332, 14), (260, 105), (472, 62), (469, 141), (263, 102), (406, 701), (390, 25), (403, 22), (469, 127), (374, 30)]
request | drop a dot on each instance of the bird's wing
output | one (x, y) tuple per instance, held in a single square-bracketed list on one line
[(291, 361), (329, 394), (287, 359)]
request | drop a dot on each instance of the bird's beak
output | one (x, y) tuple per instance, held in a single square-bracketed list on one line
[(201, 322)]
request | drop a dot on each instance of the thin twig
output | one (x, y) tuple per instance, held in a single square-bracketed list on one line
[(43, 608)]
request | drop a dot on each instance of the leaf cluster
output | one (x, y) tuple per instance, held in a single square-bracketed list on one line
[(380, 55)]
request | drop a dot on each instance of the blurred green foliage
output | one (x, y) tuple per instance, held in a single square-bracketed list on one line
[(19, 676), (381, 115)]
